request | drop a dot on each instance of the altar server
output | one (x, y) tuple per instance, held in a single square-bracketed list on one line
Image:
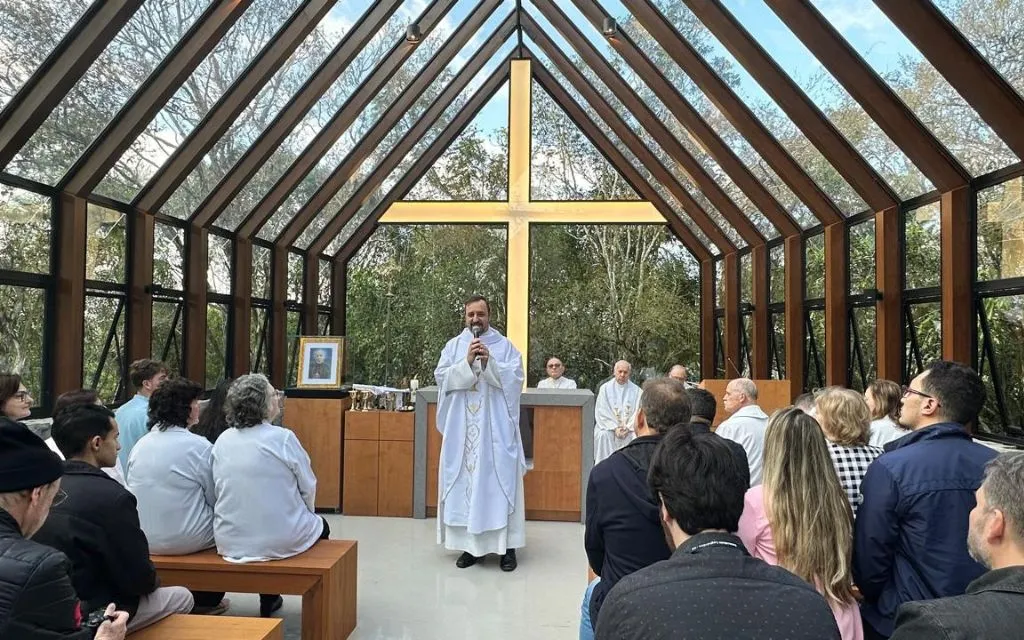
[(618, 402)]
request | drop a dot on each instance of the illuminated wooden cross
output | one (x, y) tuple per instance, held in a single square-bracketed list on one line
[(519, 212)]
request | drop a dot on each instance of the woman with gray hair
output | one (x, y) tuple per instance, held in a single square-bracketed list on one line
[(264, 483)]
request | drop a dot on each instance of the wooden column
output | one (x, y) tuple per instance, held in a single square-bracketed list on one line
[(733, 323), (957, 275), (68, 310), (794, 249), (837, 317), (278, 317), (889, 282), (761, 324), (339, 296), (196, 263), (707, 319), (241, 307), (310, 294), (139, 326)]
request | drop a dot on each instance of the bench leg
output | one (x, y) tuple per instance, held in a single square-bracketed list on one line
[(329, 607)]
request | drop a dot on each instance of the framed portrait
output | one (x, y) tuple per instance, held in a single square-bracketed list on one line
[(320, 360)]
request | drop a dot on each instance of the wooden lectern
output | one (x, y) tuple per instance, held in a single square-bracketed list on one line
[(378, 463), (318, 419), (771, 395)]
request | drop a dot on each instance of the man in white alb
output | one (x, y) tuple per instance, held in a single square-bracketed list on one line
[(679, 372), (747, 423), (480, 507), (618, 402), (555, 379)]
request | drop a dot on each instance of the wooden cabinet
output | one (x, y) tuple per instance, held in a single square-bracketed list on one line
[(318, 423), (378, 463)]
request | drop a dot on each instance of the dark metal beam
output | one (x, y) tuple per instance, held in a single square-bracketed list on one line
[(795, 331), (958, 319), (61, 70), (732, 325), (868, 184), (707, 319), (231, 105), (241, 307), (70, 234), (942, 44), (874, 95), (341, 121), (626, 134), (196, 265), (147, 102), (837, 313), (650, 122), (398, 109), (695, 124), (315, 87), (889, 283)]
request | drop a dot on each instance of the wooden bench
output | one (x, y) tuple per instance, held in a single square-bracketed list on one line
[(325, 577), (179, 627)]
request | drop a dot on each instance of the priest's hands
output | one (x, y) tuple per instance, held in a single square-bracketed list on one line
[(477, 348), (621, 432)]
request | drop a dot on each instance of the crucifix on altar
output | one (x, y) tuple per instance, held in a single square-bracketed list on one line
[(519, 212)]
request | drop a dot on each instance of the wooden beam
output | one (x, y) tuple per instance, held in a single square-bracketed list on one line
[(958, 319), (68, 313), (837, 317), (707, 319), (230, 106), (795, 333), (625, 133), (761, 324), (339, 297), (651, 123), (61, 70), (310, 294), (733, 322), (131, 120), (824, 135), (278, 317), (953, 55), (139, 325), (393, 115), (241, 307), (695, 125), (889, 282), (196, 265), (546, 212), (874, 95), (259, 152), (341, 121)]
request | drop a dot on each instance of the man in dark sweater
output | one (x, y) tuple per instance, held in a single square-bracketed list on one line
[(703, 408), (623, 528), (710, 588), (97, 526)]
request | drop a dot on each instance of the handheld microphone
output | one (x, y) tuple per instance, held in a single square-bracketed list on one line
[(477, 331)]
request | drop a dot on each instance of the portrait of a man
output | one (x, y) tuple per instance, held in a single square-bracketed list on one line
[(320, 365), (320, 359)]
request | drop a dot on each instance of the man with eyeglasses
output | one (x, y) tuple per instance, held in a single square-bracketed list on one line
[(911, 529), (555, 379)]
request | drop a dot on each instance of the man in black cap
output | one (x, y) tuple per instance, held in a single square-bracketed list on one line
[(37, 600)]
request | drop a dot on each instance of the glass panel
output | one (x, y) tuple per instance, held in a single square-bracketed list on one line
[(218, 267), (814, 267), (106, 246), (296, 270), (766, 109), (293, 330), (746, 278), (719, 349), (24, 229), (747, 345), (814, 350), (719, 284), (324, 282), (103, 349), (261, 257), (259, 340), (184, 111), (991, 25), (942, 110), (262, 110), (862, 257), (777, 273), (31, 30), (323, 324), (169, 257), (216, 344), (168, 319), (826, 92), (1002, 366), (922, 338), (922, 247), (1001, 231), (863, 356), (106, 88), (22, 331), (778, 355)]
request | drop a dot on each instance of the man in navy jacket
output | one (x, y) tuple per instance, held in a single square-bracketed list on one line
[(910, 538)]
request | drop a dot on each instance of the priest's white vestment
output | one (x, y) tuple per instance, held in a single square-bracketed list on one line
[(617, 406), (560, 383), (480, 506)]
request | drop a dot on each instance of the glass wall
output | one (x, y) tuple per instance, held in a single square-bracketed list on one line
[(922, 298), (862, 301), (104, 366)]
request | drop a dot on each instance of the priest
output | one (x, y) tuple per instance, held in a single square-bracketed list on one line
[(480, 508), (618, 402), (556, 378)]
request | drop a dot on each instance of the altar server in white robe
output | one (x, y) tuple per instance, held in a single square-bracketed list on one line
[(480, 484), (555, 379), (618, 402)]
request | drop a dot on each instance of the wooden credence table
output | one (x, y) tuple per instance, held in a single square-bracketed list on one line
[(325, 577)]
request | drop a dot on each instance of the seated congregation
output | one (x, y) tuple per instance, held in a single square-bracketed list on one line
[(160, 476)]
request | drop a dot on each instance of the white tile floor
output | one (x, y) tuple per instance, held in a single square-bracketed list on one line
[(410, 589)]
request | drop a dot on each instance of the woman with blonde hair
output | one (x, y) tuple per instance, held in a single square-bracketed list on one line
[(846, 423), (800, 519), (883, 399)]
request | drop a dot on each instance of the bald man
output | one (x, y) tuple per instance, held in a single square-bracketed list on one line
[(618, 402), (746, 424), (679, 372), (555, 379)]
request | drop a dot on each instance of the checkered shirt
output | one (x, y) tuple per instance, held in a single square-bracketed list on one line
[(851, 464)]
